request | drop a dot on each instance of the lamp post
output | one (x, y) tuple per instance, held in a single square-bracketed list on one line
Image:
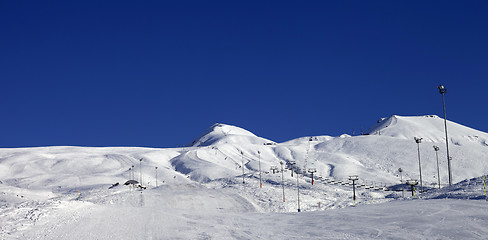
[(133, 173), (436, 148), (418, 141), (400, 170), (156, 176), (443, 90), (140, 170), (130, 174), (260, 182), (354, 179)]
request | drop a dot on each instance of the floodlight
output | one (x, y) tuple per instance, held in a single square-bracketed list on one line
[(443, 90)]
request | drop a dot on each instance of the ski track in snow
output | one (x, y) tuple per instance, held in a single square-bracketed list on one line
[(437, 219), (198, 212)]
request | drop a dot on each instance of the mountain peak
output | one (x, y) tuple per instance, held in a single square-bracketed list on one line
[(428, 127), (224, 133)]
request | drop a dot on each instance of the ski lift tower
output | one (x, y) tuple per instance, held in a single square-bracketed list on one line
[(283, 180), (274, 168), (412, 184), (312, 171), (292, 165), (354, 178)]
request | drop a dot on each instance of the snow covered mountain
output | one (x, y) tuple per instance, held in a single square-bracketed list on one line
[(228, 169), (430, 128), (227, 134)]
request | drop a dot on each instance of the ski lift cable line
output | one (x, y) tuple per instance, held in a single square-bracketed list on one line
[(248, 158), (346, 182)]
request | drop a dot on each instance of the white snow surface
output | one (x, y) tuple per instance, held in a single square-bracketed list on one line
[(430, 128), (71, 192)]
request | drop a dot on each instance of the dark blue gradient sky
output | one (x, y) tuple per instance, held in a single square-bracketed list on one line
[(158, 73)]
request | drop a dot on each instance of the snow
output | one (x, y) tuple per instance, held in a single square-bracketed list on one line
[(223, 133), (71, 192), (430, 128)]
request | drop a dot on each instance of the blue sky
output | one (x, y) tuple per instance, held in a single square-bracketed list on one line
[(158, 73)]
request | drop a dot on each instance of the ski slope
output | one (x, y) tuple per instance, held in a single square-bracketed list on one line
[(191, 212), (211, 189)]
